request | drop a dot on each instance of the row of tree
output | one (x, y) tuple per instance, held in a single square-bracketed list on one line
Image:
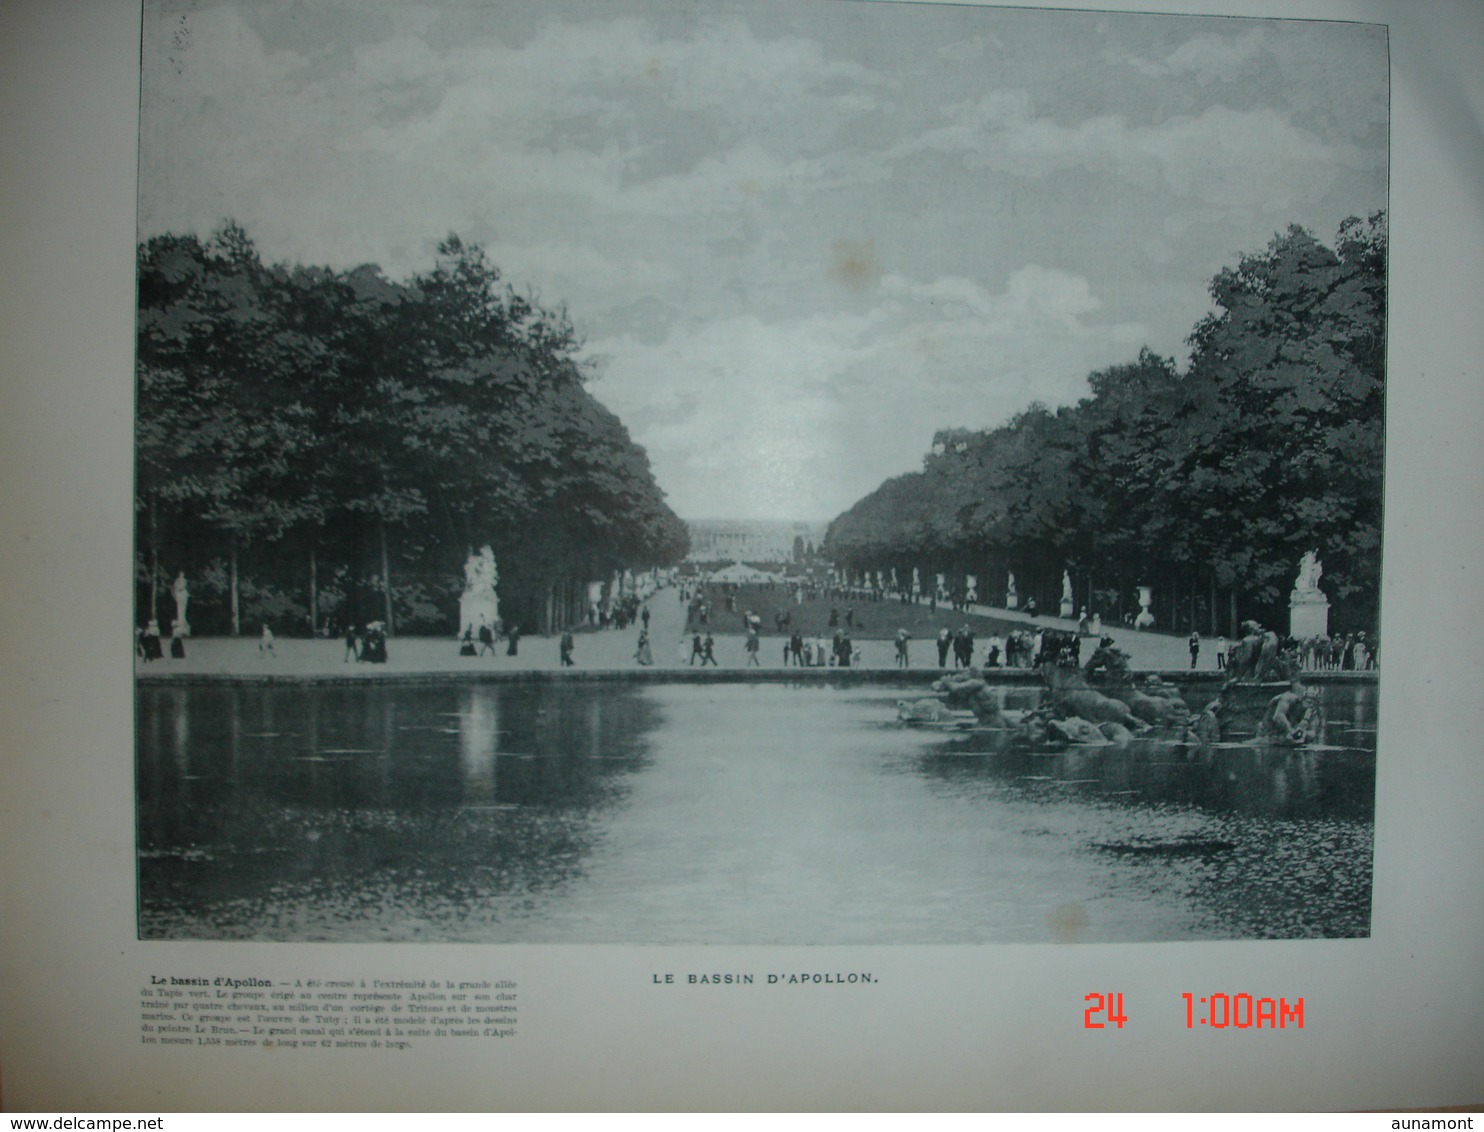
[(1208, 485), (320, 448)]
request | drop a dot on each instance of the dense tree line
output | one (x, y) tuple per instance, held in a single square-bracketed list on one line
[(319, 447), (1208, 485)]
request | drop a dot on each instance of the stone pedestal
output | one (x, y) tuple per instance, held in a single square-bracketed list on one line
[(1308, 608), (478, 608), (1145, 619), (479, 604), (180, 590), (1308, 615)]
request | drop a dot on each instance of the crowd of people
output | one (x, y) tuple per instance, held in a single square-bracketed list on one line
[(618, 612), (1351, 652), (1258, 654), (364, 645), (149, 646)]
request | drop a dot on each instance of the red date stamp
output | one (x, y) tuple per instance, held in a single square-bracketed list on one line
[(1104, 1010), (1214, 1011), (1242, 1012)]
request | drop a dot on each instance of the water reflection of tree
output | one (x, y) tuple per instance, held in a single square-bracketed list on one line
[(382, 809)]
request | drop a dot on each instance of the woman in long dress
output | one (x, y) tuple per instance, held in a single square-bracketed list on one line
[(151, 641), (644, 654)]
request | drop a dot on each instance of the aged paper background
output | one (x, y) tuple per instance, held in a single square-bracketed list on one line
[(1393, 1021)]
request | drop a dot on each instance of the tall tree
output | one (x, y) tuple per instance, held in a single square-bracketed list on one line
[(1217, 479)]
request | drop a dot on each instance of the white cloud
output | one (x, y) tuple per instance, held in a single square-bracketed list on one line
[(770, 404), (763, 419), (972, 49), (403, 59), (1033, 292), (1208, 57), (1221, 156), (565, 268), (573, 121), (686, 194)]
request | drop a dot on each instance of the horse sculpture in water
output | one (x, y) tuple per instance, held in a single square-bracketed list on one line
[(1071, 694), (1257, 656)]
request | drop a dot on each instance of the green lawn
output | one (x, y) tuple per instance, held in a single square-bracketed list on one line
[(873, 620)]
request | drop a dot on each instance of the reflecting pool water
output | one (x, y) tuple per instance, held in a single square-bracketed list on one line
[(726, 813)]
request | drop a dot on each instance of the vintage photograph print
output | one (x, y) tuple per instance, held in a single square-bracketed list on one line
[(756, 472)]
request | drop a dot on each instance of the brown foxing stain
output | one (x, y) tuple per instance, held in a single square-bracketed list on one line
[(854, 264), (1067, 922), (652, 68)]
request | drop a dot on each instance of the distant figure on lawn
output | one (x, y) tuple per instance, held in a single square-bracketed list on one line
[(373, 650), (151, 642), (265, 642), (843, 650), (567, 645), (963, 647)]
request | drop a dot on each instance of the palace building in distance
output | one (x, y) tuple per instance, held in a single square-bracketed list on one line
[(753, 540)]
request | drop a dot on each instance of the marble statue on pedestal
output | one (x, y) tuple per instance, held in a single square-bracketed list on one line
[(1012, 599), (180, 590), (1068, 606), (1308, 608), (1309, 572), (480, 603)]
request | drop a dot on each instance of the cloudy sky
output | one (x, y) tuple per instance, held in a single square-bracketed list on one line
[(797, 236)]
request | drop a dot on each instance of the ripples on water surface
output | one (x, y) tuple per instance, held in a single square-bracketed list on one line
[(729, 813)]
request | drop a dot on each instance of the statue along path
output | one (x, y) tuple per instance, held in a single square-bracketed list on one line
[(613, 651)]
